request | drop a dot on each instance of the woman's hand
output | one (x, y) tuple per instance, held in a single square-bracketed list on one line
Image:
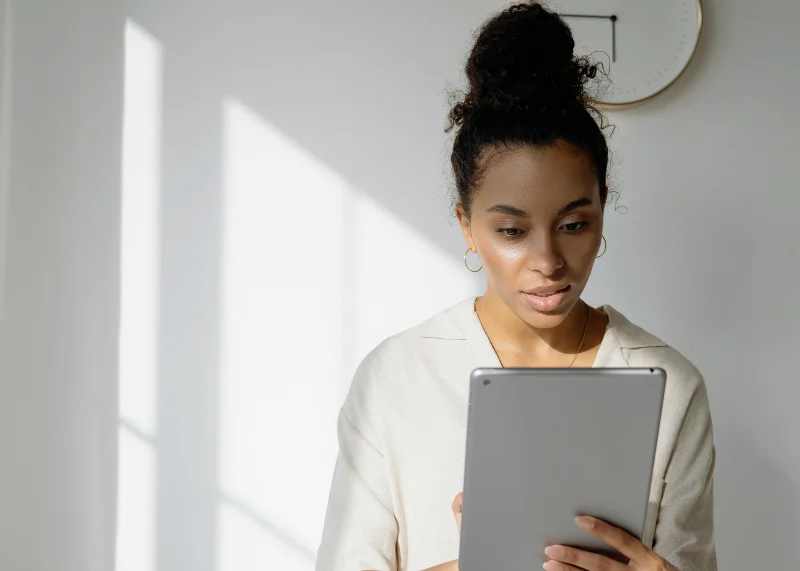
[(458, 503), (570, 559), (564, 558)]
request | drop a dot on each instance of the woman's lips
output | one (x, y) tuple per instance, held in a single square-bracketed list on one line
[(547, 298)]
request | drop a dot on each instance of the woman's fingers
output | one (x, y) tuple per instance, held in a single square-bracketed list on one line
[(623, 542), (558, 566), (457, 505), (564, 558), (580, 559)]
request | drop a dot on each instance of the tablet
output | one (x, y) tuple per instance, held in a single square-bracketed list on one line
[(547, 445)]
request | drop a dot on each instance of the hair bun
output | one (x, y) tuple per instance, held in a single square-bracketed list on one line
[(523, 59)]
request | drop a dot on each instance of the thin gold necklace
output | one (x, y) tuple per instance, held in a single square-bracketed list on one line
[(583, 337)]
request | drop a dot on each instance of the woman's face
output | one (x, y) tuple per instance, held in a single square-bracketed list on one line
[(536, 221)]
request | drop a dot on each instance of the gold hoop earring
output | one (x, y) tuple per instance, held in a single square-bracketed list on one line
[(466, 264), (605, 246)]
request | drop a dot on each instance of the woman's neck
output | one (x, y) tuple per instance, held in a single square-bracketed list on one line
[(516, 341)]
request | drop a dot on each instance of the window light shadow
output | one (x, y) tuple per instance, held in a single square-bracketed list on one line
[(139, 311), (314, 274)]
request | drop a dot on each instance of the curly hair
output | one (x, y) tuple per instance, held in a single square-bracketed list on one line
[(526, 87)]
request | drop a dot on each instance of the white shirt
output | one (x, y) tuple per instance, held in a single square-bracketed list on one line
[(402, 442)]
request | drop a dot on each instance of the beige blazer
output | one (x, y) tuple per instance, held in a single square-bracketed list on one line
[(402, 443)]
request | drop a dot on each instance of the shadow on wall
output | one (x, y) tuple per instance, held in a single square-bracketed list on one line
[(255, 276), (761, 497)]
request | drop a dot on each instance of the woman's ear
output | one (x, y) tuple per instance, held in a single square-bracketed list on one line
[(466, 228)]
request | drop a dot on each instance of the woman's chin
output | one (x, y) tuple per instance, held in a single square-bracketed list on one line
[(545, 318)]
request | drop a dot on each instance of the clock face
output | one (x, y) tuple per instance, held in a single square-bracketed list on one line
[(643, 45)]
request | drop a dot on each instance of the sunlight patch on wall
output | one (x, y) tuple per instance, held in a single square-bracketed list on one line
[(400, 278), (246, 546), (314, 275), (141, 196), (136, 504), (139, 307), (281, 332)]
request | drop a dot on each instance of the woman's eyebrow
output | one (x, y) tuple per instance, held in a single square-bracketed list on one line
[(514, 211), (507, 209), (575, 204)]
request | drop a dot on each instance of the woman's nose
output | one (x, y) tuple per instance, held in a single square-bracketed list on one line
[(543, 256)]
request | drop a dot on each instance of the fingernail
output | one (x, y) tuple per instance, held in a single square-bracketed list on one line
[(555, 552), (585, 522)]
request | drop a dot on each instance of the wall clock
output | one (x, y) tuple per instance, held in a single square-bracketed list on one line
[(643, 45)]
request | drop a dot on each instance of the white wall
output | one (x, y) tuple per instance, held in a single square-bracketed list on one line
[(5, 126), (707, 257), (302, 209), (299, 164), (59, 320)]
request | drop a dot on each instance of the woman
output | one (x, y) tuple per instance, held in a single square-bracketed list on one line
[(530, 164)]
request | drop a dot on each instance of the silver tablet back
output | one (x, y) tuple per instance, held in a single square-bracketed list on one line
[(547, 445)]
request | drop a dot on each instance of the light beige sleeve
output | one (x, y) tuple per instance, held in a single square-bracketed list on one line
[(685, 530), (360, 531)]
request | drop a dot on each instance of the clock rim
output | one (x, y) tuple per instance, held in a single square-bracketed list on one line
[(609, 106)]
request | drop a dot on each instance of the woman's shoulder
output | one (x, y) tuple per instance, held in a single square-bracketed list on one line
[(640, 348), (686, 395), (684, 461), (451, 324), (397, 366)]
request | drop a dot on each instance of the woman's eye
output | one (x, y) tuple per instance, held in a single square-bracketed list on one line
[(511, 232), (574, 226)]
